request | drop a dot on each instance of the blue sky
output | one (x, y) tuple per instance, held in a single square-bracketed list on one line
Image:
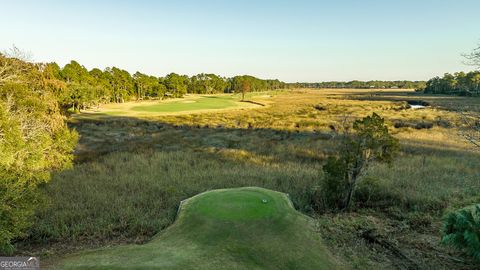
[(289, 40)]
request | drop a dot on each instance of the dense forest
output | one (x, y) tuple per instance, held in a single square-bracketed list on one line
[(460, 83), (79, 88), (363, 84)]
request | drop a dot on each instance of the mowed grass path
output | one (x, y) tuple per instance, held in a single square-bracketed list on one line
[(188, 104), (242, 228)]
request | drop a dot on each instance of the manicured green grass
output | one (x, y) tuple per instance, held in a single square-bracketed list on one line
[(237, 205), (243, 228), (201, 103), (190, 104)]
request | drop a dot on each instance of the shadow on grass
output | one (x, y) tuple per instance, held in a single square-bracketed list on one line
[(109, 134), (106, 134), (253, 102)]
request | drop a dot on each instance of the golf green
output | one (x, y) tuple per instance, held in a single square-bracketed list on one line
[(242, 228), (236, 205), (200, 103)]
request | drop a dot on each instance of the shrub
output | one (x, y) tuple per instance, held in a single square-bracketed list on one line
[(319, 107), (34, 140), (462, 230), (333, 188), (370, 143), (424, 125), (401, 124), (415, 125), (443, 123)]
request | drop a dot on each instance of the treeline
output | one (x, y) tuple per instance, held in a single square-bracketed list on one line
[(80, 88), (460, 83), (364, 84)]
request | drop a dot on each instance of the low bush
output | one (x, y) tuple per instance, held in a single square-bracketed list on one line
[(462, 230), (401, 124), (319, 107), (415, 125), (332, 190), (443, 123), (424, 125)]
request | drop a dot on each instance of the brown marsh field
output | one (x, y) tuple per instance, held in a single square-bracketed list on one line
[(131, 172)]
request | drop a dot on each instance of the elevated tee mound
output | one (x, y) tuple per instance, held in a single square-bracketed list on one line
[(241, 228)]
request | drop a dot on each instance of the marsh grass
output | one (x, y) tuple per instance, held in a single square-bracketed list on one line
[(131, 173), (135, 195)]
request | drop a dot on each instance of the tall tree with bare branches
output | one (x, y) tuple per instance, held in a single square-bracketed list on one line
[(473, 58)]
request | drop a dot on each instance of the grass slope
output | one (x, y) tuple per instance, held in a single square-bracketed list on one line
[(242, 228)]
